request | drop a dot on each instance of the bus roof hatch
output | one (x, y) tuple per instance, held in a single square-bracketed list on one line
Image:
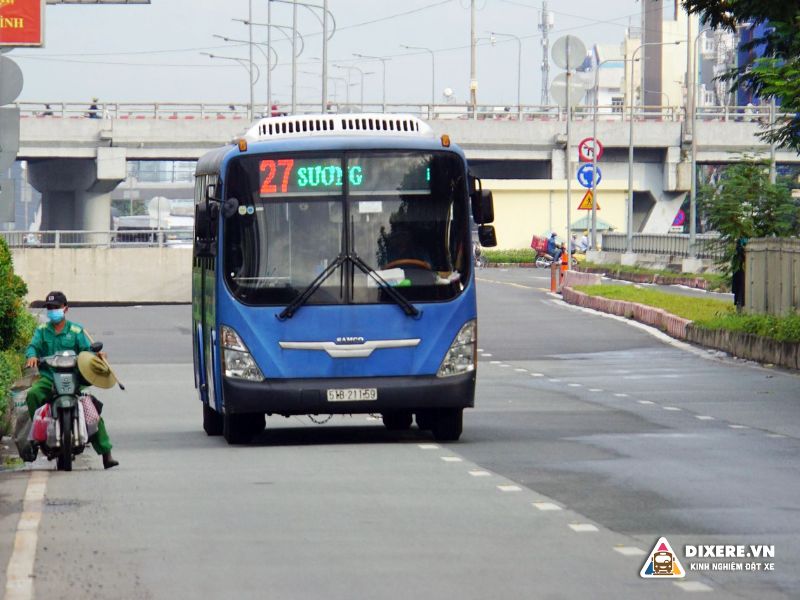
[(371, 124)]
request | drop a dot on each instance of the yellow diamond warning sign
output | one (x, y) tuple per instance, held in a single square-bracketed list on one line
[(586, 203)]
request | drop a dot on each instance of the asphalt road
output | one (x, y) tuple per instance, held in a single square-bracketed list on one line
[(590, 440)]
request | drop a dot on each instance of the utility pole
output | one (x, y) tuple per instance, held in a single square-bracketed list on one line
[(473, 76), (545, 26)]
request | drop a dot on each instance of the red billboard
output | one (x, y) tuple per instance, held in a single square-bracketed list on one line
[(22, 22)]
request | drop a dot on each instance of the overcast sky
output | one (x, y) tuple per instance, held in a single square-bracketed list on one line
[(152, 52)]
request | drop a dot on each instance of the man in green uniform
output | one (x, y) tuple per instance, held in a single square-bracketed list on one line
[(58, 335)]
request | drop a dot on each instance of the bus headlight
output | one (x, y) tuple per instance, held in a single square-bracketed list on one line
[(238, 362), (460, 358)]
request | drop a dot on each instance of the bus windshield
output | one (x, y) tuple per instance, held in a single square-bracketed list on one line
[(403, 214)]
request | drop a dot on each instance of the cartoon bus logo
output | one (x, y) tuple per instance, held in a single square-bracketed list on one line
[(662, 563)]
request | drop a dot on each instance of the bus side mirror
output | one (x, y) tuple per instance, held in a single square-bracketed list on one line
[(487, 236), (482, 206), (205, 228)]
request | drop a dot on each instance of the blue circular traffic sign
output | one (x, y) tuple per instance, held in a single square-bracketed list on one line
[(586, 175)]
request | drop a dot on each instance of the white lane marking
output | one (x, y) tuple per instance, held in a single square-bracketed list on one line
[(629, 550), (674, 408), (505, 366), (693, 586), (452, 459), (547, 506), (776, 435), (621, 395), (583, 527), (480, 349), (19, 575), (738, 426), (428, 446), (521, 370), (480, 473), (554, 380), (645, 402), (509, 488), (704, 418), (574, 385), (595, 389), (486, 355), (494, 362), (537, 374)]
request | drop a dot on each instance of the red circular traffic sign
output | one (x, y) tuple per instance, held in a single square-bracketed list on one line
[(586, 149)]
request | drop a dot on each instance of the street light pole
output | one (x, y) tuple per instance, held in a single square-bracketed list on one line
[(629, 224), (473, 75), (519, 70), (693, 150), (267, 55), (251, 108), (433, 74), (383, 64)]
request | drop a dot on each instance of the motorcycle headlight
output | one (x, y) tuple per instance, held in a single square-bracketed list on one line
[(461, 356), (238, 362)]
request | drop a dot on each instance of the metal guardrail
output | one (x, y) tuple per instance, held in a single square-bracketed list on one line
[(222, 111), (670, 244), (136, 238)]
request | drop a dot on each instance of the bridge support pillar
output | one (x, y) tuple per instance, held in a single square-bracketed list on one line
[(76, 192)]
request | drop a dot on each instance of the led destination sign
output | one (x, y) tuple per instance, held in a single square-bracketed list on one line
[(363, 175)]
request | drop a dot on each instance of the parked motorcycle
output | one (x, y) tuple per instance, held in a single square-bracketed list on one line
[(60, 426)]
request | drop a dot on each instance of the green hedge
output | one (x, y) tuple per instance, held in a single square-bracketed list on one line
[(16, 329), (781, 329), (524, 255), (716, 281)]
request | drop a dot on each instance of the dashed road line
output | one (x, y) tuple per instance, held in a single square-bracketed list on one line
[(738, 426), (19, 575), (479, 473), (428, 446), (629, 550), (646, 402), (509, 488), (621, 395), (693, 586), (546, 506), (672, 408), (453, 459), (704, 418), (595, 389), (583, 527), (574, 385)]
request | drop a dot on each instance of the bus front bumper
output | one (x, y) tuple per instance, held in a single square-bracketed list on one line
[(310, 396)]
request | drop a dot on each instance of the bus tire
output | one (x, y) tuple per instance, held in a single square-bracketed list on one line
[(448, 424), (212, 421), (398, 420), (240, 429)]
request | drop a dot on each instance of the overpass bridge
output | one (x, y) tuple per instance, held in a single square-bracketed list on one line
[(76, 158)]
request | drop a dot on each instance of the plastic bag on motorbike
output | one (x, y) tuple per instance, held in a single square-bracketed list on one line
[(41, 423), (83, 432)]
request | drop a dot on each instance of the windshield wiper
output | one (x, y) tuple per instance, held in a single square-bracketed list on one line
[(288, 312), (408, 308)]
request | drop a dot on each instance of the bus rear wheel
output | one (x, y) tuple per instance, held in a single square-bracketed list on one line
[(398, 420), (447, 424), (241, 428)]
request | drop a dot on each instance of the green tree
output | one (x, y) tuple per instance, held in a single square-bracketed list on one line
[(744, 204), (777, 74)]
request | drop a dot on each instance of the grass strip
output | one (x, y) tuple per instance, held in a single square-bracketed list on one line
[(522, 255), (716, 281), (687, 307), (781, 329)]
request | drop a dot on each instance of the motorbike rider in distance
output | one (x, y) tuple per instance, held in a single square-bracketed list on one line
[(57, 335)]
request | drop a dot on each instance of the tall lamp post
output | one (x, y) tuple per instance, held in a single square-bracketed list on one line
[(693, 164), (361, 72), (245, 66), (383, 60), (270, 64), (629, 224), (326, 13), (433, 74), (519, 68)]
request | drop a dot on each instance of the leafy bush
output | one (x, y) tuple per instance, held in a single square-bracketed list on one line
[(16, 329), (523, 255)]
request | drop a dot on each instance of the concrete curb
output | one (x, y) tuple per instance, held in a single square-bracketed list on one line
[(742, 345)]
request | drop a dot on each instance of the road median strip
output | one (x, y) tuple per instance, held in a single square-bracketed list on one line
[(701, 321)]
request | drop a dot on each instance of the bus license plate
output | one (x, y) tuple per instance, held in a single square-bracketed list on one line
[(352, 395)]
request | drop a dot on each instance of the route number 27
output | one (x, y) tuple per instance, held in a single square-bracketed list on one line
[(269, 169)]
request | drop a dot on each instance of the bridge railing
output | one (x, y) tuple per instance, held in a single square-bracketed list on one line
[(222, 111), (119, 238), (670, 244)]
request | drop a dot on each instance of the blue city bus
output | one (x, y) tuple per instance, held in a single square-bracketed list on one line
[(333, 274)]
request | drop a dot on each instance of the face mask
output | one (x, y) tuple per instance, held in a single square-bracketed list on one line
[(56, 315)]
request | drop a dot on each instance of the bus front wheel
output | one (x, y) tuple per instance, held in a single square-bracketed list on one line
[(240, 429), (212, 421), (447, 424)]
